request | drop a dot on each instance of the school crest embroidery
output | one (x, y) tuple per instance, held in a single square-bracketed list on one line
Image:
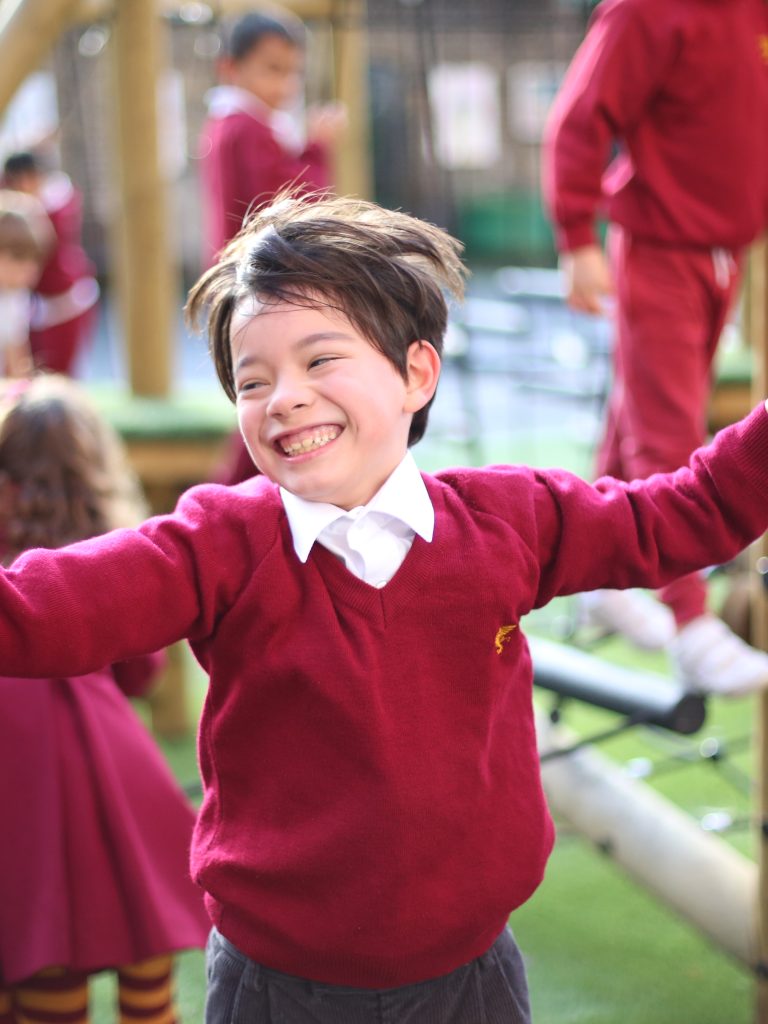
[(503, 636)]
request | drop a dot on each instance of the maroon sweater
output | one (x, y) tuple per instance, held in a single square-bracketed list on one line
[(243, 162), (683, 85), (373, 809)]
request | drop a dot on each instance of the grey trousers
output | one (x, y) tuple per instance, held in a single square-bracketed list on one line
[(489, 990)]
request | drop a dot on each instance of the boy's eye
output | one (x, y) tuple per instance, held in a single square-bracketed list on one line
[(249, 385), (321, 360)]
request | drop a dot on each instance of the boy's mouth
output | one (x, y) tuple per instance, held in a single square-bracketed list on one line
[(308, 440)]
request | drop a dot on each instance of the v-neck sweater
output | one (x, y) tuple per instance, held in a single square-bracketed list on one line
[(372, 807)]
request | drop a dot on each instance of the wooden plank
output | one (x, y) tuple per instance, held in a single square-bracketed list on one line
[(697, 874)]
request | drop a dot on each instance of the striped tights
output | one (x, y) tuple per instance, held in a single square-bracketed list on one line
[(60, 996)]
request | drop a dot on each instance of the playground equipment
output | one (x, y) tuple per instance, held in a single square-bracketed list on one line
[(697, 873)]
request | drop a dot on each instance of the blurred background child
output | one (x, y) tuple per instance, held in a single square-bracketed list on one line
[(25, 240), (250, 144), (96, 875), (66, 295), (678, 89)]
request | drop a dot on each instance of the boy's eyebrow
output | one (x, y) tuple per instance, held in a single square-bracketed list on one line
[(248, 357)]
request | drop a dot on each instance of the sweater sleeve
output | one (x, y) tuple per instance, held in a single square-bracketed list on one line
[(71, 611), (607, 88), (649, 532)]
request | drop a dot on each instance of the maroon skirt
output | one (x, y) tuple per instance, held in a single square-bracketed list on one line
[(94, 854)]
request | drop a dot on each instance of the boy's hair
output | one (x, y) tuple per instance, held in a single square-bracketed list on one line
[(25, 231), (241, 35), (386, 271), (64, 474)]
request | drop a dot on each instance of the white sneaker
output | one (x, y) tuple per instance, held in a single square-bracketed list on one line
[(640, 618), (709, 658)]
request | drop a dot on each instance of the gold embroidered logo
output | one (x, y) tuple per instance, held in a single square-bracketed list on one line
[(503, 636), (764, 47)]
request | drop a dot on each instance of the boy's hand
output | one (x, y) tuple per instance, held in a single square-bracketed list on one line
[(587, 279), (326, 124)]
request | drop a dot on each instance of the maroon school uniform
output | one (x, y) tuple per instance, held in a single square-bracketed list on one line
[(245, 160), (64, 308), (373, 809), (682, 85), (94, 858)]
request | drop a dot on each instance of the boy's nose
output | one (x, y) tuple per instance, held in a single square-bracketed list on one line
[(287, 396)]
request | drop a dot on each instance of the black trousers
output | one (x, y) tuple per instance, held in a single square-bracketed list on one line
[(490, 990)]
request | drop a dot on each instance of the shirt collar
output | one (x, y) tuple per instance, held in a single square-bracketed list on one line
[(223, 100), (402, 496)]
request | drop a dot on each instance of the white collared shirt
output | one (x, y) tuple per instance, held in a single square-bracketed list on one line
[(224, 100), (372, 540)]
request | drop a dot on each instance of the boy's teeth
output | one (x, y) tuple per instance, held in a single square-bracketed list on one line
[(308, 443)]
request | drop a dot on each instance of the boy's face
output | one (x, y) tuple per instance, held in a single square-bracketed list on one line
[(272, 71), (323, 413), (16, 272)]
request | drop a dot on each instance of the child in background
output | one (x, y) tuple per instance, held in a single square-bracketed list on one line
[(372, 808), (681, 88), (25, 240), (94, 861), (66, 294), (248, 146)]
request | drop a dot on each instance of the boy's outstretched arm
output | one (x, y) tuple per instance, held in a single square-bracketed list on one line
[(76, 609), (649, 532)]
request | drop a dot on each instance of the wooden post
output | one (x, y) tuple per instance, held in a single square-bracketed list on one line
[(756, 326), (147, 280), (354, 175), (28, 31)]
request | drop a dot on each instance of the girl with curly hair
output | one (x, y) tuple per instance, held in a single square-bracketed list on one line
[(94, 861)]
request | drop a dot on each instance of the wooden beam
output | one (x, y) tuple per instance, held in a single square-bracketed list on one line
[(302, 8), (28, 32), (697, 874), (353, 172), (86, 11), (146, 277)]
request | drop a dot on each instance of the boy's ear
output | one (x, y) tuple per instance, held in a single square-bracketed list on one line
[(423, 373)]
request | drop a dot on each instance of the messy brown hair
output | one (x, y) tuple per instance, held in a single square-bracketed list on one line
[(63, 471), (25, 231), (386, 271)]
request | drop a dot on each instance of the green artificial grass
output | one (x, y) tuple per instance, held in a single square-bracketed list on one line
[(201, 412)]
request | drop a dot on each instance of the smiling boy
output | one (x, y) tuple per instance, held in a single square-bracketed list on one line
[(323, 413), (372, 808)]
